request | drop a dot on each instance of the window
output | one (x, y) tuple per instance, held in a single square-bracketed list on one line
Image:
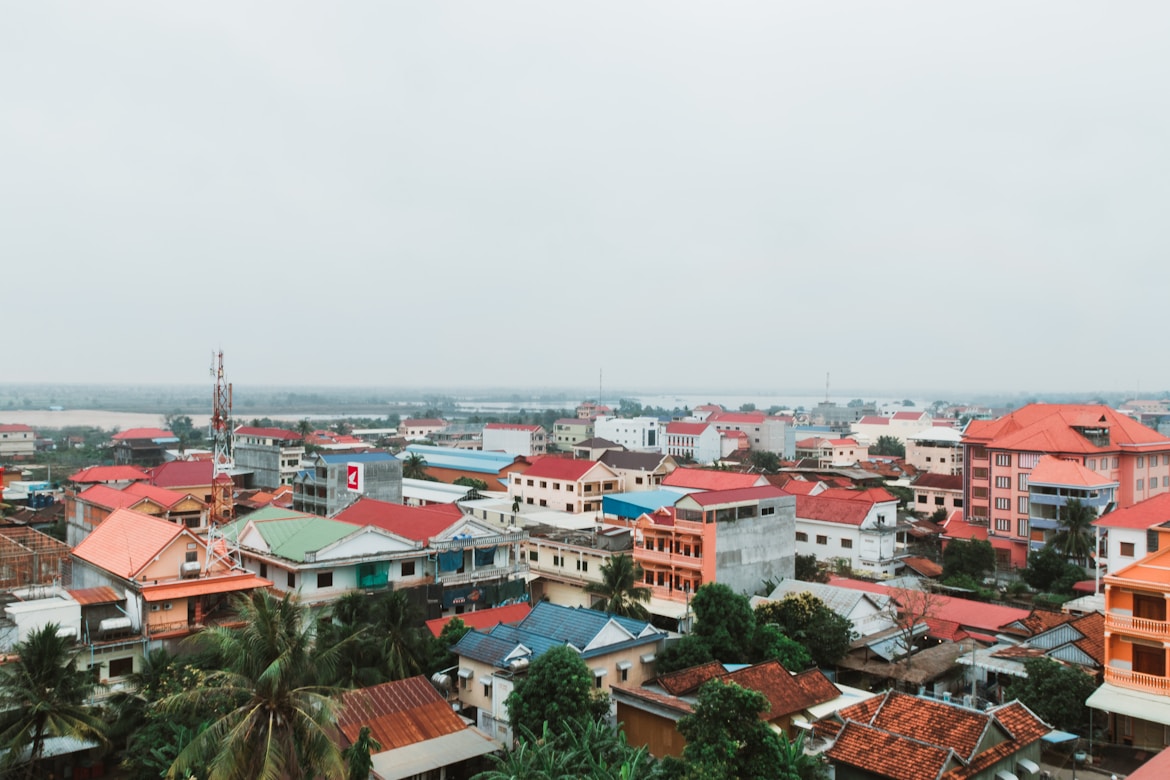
[(532, 555), (801, 536), (1023, 483), (1003, 524), (543, 484), (531, 482), (1116, 462), (408, 568), (767, 510), (543, 502), (822, 539), (1141, 485), (637, 480), (1003, 503), (1165, 481), (120, 667), (529, 501), (264, 570), (1166, 460), (847, 544), (625, 674), (1126, 550), (568, 507), (558, 560), (1091, 464), (292, 579), (1022, 528), (1141, 461), (324, 579), (1003, 482), (1003, 459), (922, 498), (1022, 505), (192, 557), (979, 473)]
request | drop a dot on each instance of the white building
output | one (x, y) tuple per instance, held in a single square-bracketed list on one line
[(634, 433), (1128, 535), (854, 528), (524, 440)]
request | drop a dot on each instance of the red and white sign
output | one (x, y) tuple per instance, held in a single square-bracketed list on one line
[(355, 477)]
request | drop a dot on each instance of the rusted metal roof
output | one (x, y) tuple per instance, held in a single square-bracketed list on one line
[(89, 596), (398, 713)]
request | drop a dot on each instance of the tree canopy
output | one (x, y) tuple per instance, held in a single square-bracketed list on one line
[(726, 738), (1074, 538), (1050, 572), (1055, 692), (558, 690), (972, 558), (805, 619), (890, 446), (724, 620), (620, 590)]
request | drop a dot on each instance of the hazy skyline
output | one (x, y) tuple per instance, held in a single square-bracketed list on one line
[(908, 195)]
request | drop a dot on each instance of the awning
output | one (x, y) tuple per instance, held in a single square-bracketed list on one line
[(485, 681), (1136, 704), (1003, 774), (1027, 766), (647, 659), (203, 587), (466, 673), (1056, 736), (599, 672), (624, 666), (431, 754)]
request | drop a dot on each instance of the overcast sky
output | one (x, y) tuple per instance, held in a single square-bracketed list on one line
[(912, 196)]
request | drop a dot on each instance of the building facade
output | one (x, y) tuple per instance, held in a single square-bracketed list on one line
[(273, 455), (634, 433), (524, 440), (329, 483)]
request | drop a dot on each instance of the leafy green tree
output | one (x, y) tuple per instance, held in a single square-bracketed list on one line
[(441, 655), (281, 726), (304, 427), (770, 643), (593, 749), (767, 462), (471, 482), (558, 690), (378, 638), (726, 738), (42, 695), (1055, 692), (690, 650), (620, 590), (1050, 572), (357, 756), (971, 557), (796, 764), (939, 516), (809, 570), (890, 446), (724, 620), (414, 466), (805, 619), (1074, 539)]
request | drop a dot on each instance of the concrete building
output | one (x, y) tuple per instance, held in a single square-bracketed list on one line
[(525, 440), (633, 433), (17, 442), (933, 492), (999, 457), (767, 433), (936, 450), (839, 418), (639, 470), (421, 428), (899, 425), (559, 483), (273, 455), (329, 483), (831, 452), (570, 431), (696, 441), (1127, 535), (142, 446), (856, 528)]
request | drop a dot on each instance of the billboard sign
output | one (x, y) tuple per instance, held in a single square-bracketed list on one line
[(355, 480)]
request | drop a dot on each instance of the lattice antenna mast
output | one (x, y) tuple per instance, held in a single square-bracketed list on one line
[(223, 498)]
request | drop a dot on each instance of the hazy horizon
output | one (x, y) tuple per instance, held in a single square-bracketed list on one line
[(443, 194)]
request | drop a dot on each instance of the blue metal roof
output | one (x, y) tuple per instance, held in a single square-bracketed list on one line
[(637, 503), (575, 625), (358, 457), (462, 460)]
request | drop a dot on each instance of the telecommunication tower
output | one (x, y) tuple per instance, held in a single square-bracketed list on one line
[(223, 499)]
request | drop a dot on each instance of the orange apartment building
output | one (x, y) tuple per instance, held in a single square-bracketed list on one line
[(1135, 696), (999, 457)]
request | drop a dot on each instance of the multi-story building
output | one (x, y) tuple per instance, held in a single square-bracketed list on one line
[(570, 431), (839, 418), (937, 450), (899, 425), (857, 528), (633, 433), (738, 537), (765, 432), (639, 470), (1135, 695), (142, 446), (1052, 483), (1127, 535), (447, 464), (421, 428), (999, 457), (933, 492), (525, 440), (697, 441), (567, 485), (329, 483), (86, 509), (17, 442), (831, 452), (273, 455)]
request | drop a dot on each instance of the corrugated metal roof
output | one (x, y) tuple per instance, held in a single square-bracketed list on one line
[(292, 539), (399, 713), (204, 587), (89, 596)]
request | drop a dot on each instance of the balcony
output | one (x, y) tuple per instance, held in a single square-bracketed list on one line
[(478, 575), (665, 558), (1138, 681), (478, 541), (1143, 627)]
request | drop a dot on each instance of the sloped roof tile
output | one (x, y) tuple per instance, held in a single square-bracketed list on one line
[(126, 541)]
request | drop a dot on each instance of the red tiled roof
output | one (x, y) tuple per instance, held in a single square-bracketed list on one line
[(159, 495), (143, 433), (686, 428), (1036, 622), (108, 497), (887, 755), (691, 679), (1142, 515), (748, 418), (831, 510), (183, 473), (714, 497), (1050, 428), (1092, 627), (549, 467), (939, 481), (15, 428), (108, 474), (785, 695), (924, 566), (483, 619), (419, 523), (843, 442), (711, 479), (269, 433), (1056, 471), (970, 614), (956, 527), (873, 419), (680, 706), (874, 495), (399, 713), (126, 542), (908, 415), (795, 487), (423, 422)]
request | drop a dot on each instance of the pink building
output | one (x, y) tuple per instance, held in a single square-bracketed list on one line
[(565, 485)]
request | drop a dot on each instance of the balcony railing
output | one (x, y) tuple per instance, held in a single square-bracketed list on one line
[(1155, 629), (665, 558), (478, 541), (455, 578), (1138, 681)]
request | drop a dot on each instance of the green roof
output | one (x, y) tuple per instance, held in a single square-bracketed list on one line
[(289, 534)]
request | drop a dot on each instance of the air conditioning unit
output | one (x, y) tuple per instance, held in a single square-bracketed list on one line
[(189, 569)]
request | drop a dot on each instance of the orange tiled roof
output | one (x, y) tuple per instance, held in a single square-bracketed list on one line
[(99, 595), (1142, 515), (551, 467), (685, 681), (888, 755), (785, 695), (483, 619), (1056, 471), (398, 713), (159, 495), (108, 474), (1050, 428), (711, 479), (419, 523), (126, 542), (1036, 622), (924, 566), (108, 497)]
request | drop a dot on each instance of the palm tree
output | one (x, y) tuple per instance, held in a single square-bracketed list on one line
[(357, 755), (41, 696), (1074, 540), (279, 725), (619, 589), (414, 466), (403, 644)]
